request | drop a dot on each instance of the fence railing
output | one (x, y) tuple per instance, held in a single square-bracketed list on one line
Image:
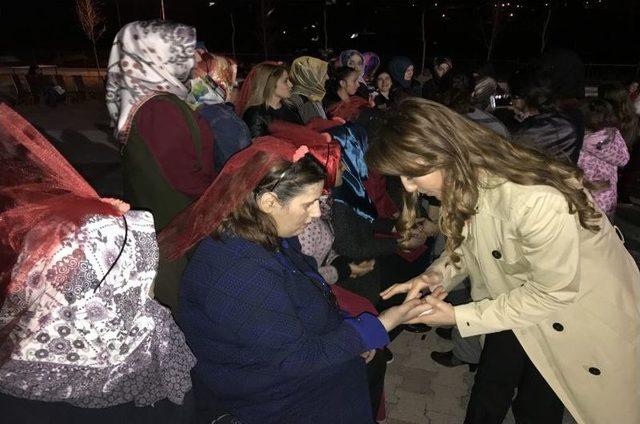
[(76, 83)]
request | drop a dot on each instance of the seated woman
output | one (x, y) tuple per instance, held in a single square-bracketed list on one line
[(401, 70), (210, 91), (341, 100), (441, 67), (360, 234), (167, 148), (356, 60), (264, 97), (80, 338), (308, 76), (384, 84), (271, 343), (371, 64), (317, 239)]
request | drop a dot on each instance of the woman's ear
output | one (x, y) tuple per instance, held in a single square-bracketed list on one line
[(267, 202), (343, 83)]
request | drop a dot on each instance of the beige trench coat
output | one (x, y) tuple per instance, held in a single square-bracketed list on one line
[(571, 296)]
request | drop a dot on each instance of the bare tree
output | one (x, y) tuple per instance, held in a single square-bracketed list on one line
[(233, 35), (494, 30), (544, 37), (266, 25), (92, 22)]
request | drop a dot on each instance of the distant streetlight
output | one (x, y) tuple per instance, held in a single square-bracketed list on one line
[(354, 35)]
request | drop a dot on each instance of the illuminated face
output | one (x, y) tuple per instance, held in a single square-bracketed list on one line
[(383, 82), (408, 74), (429, 184), (350, 83), (355, 62), (292, 217), (442, 69), (283, 86)]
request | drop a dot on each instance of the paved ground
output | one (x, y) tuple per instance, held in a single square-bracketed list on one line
[(418, 390)]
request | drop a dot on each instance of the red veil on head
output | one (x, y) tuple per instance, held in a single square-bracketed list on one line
[(239, 177), (324, 148), (42, 199)]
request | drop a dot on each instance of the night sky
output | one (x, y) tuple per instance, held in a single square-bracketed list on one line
[(601, 31)]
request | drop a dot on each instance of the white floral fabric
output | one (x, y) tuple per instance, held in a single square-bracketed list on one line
[(147, 58), (96, 344)]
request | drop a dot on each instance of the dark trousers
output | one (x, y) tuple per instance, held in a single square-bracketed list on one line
[(505, 367)]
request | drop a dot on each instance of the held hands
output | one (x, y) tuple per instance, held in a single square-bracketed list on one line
[(441, 312), (432, 309), (429, 280), (362, 268), (400, 314)]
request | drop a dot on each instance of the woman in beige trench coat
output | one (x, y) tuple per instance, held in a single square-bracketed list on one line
[(544, 264)]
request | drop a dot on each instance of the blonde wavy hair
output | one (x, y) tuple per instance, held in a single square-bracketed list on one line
[(264, 83), (422, 136)]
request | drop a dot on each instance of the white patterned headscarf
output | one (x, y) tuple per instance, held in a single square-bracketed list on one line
[(147, 58)]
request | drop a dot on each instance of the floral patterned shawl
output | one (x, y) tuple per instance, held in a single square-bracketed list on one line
[(95, 338), (147, 58)]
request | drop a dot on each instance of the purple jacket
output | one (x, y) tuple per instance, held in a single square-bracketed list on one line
[(602, 153)]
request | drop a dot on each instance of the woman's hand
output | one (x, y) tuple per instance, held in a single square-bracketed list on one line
[(430, 228), (362, 268), (372, 99), (417, 238), (368, 355), (400, 314), (414, 287), (441, 312)]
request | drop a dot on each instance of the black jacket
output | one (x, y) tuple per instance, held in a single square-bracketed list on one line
[(557, 134), (258, 118)]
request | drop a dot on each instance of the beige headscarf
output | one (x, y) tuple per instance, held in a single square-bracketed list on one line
[(308, 75)]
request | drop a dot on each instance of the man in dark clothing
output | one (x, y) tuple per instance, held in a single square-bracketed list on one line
[(543, 126)]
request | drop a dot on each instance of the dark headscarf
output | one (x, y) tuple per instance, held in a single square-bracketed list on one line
[(397, 67)]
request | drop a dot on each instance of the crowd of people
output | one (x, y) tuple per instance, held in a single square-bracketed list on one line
[(274, 237)]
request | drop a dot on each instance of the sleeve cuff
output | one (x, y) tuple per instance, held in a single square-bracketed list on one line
[(469, 321), (371, 330)]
